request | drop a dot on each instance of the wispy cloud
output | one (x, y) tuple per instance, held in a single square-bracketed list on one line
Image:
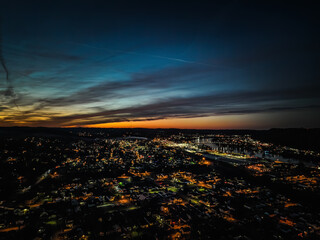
[(186, 90), (141, 54), (228, 103)]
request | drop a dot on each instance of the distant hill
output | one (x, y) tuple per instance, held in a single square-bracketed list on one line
[(301, 138)]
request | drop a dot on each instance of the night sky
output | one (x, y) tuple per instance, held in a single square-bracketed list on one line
[(160, 64)]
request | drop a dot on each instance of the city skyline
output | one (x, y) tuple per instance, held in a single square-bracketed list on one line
[(195, 65)]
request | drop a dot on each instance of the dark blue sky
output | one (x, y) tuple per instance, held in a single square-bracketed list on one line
[(191, 64)]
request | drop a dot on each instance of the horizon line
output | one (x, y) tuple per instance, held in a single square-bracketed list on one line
[(201, 129)]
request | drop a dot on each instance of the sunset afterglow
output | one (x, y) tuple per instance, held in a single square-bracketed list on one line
[(189, 65)]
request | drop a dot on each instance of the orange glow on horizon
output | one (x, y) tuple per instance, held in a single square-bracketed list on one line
[(217, 122)]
